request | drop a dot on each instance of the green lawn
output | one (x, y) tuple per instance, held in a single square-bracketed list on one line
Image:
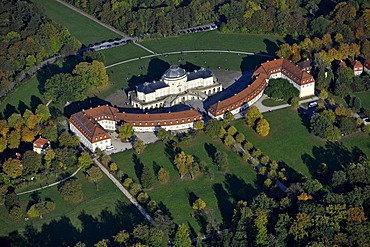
[(178, 194), (150, 69), (365, 99), (290, 142), (26, 95), (84, 29), (271, 102), (217, 40), (103, 207), (122, 53)]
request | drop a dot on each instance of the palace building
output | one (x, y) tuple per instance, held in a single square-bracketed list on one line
[(92, 125), (278, 68), (175, 86)]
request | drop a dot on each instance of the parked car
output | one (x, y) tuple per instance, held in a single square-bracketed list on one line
[(312, 104), (109, 148)]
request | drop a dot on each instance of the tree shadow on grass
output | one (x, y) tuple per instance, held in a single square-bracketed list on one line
[(139, 166), (335, 155), (9, 110), (305, 116), (224, 204), (85, 104), (251, 62), (156, 168), (238, 189), (22, 107), (169, 151), (211, 150), (155, 70), (35, 102), (62, 232)]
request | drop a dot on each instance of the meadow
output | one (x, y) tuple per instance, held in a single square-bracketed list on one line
[(220, 191)]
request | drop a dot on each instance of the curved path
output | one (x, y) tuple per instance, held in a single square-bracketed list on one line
[(184, 52), (50, 185)]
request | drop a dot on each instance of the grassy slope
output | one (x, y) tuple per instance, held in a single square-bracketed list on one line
[(365, 99), (216, 40), (290, 141), (177, 195), (107, 197), (84, 29)]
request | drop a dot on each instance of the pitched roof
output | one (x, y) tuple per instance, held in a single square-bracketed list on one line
[(357, 65), (40, 142), (367, 64), (89, 127), (104, 111), (154, 119), (262, 74)]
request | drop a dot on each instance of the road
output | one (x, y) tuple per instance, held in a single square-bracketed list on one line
[(93, 19), (50, 185), (125, 192)]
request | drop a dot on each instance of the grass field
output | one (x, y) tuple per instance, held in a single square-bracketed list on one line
[(84, 29), (104, 208), (178, 194), (216, 40), (365, 99), (290, 142), (271, 102)]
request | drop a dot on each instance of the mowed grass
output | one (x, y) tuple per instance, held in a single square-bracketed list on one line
[(365, 99), (26, 94), (99, 202), (290, 142), (84, 29), (271, 102), (219, 192), (150, 69), (217, 40), (122, 53)]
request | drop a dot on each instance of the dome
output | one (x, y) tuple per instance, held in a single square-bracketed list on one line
[(174, 72)]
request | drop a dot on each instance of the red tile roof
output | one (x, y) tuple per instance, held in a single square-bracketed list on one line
[(89, 127), (367, 64), (160, 119), (40, 142), (262, 74), (357, 66)]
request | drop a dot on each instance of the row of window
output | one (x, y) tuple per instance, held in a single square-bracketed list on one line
[(165, 122)]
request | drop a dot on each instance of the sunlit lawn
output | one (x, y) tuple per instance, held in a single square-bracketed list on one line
[(102, 197), (290, 142), (84, 29), (178, 194)]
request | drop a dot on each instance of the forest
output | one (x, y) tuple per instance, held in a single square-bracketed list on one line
[(27, 38)]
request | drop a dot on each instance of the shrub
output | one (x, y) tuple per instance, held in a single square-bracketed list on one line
[(163, 175), (152, 206), (142, 197), (127, 183), (33, 212), (135, 189)]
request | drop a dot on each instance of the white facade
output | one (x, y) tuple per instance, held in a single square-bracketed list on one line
[(169, 127), (175, 86), (108, 124), (93, 146)]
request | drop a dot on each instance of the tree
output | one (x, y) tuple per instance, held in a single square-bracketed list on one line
[(199, 125), (113, 167), (294, 102), (121, 237), (253, 114), (261, 221), (101, 243), (229, 140), (324, 94), (248, 146), (126, 131), (92, 74), (15, 212), (146, 178), (14, 139), (319, 124), (229, 117), (85, 161), (300, 226), (94, 174), (33, 212), (27, 135), (31, 162), (232, 131), (240, 138), (3, 144), (43, 113), (13, 168), (213, 128), (199, 205), (163, 134), (263, 127), (15, 121), (50, 132), (182, 237), (67, 140), (163, 175), (139, 146), (221, 160), (71, 191), (332, 133), (49, 157), (183, 162)]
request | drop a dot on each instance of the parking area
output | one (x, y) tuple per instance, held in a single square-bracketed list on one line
[(197, 29)]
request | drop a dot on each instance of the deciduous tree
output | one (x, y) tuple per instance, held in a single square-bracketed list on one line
[(71, 191), (31, 162), (253, 114), (146, 178), (182, 237), (94, 174), (163, 175), (139, 146), (263, 127), (84, 161), (126, 131), (13, 168)]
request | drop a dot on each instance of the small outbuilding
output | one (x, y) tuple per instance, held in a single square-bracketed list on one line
[(41, 145)]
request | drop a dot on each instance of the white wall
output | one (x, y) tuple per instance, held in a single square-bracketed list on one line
[(107, 124), (92, 146), (170, 127)]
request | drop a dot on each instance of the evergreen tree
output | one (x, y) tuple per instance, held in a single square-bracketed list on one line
[(146, 178)]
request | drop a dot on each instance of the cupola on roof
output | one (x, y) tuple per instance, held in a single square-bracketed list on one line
[(174, 72)]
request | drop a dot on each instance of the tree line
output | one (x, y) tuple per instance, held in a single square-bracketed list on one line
[(28, 37)]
